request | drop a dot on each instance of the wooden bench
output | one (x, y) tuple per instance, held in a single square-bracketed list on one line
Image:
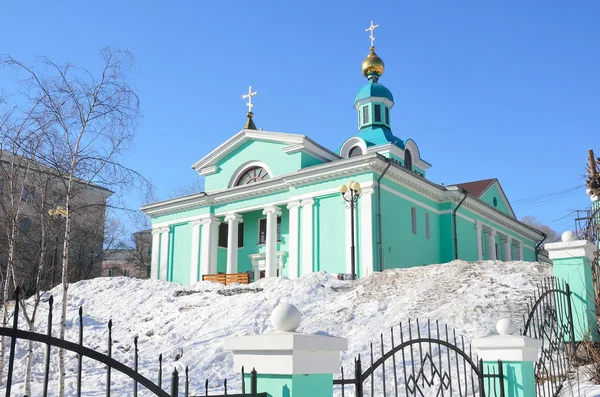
[(226, 279)]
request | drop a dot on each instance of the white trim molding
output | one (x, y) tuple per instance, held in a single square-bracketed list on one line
[(245, 135), (352, 142), (244, 167), (371, 99), (209, 170)]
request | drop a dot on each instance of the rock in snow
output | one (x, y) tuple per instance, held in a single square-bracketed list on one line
[(188, 324)]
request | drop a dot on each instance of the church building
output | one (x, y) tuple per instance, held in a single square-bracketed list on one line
[(279, 204)]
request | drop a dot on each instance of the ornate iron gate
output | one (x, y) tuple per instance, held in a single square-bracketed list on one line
[(14, 333), (550, 319), (430, 361)]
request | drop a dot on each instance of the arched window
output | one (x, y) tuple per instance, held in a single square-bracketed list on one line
[(407, 160), (253, 174), (355, 151)]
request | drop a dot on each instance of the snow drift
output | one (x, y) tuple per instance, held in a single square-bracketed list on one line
[(188, 324)]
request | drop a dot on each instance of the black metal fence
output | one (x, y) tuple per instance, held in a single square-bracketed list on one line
[(550, 318), (138, 380), (431, 360)]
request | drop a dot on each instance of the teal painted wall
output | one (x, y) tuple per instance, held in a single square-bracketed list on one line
[(269, 153), (519, 378), (494, 192), (330, 235), (320, 385), (577, 272), (182, 253), (398, 240), (467, 240)]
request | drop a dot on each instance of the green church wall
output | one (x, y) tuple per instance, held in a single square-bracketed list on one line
[(330, 236), (398, 239), (467, 240), (179, 263), (494, 193)]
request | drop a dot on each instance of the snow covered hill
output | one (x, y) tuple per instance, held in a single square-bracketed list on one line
[(191, 322)]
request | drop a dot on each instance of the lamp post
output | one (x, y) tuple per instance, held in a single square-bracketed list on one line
[(350, 194)]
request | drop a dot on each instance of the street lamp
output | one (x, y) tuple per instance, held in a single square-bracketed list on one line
[(350, 194)]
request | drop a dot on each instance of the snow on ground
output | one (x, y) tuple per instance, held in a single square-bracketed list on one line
[(469, 296)]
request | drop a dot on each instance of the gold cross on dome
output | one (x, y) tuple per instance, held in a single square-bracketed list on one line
[(372, 29), (249, 95)]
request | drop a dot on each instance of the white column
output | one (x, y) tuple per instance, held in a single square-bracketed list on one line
[(164, 252), (293, 239), (515, 245), (155, 251), (506, 252), (520, 251), (208, 251), (366, 231), (478, 227), (490, 238), (272, 213), (232, 242), (195, 251), (307, 236)]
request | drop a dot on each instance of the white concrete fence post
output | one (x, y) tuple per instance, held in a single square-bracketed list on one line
[(289, 363)]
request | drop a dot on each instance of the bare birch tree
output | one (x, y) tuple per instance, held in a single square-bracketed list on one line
[(88, 121)]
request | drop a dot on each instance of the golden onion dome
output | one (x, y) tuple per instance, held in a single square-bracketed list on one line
[(372, 66)]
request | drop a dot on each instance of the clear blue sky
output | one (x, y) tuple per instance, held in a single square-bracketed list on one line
[(506, 89)]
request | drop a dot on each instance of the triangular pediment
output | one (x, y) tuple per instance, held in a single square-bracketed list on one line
[(489, 191), (292, 143)]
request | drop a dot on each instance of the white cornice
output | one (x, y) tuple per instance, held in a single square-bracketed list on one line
[(208, 170), (335, 170), (372, 99)]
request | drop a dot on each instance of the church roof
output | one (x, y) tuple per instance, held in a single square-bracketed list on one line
[(372, 89), (477, 188)]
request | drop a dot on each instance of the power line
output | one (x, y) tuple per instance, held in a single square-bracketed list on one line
[(546, 195), (503, 126)]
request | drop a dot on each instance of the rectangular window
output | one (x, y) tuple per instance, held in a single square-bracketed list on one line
[(28, 193), (377, 115), (497, 252), (427, 233), (240, 234), (365, 115), (149, 250), (262, 230), (413, 213), (111, 272), (224, 234), (387, 116), (126, 273), (223, 229)]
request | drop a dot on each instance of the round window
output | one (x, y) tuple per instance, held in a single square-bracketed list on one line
[(495, 202)]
